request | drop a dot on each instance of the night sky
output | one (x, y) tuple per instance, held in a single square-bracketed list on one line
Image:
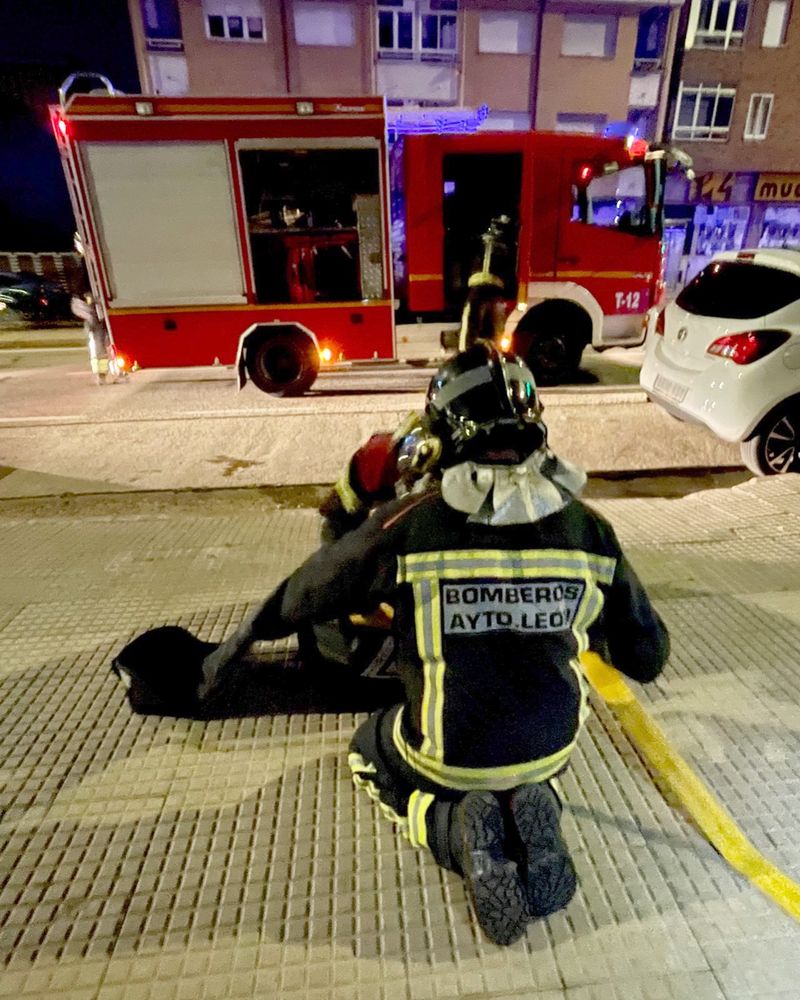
[(41, 43)]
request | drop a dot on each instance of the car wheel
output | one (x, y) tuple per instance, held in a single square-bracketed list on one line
[(283, 365), (775, 447)]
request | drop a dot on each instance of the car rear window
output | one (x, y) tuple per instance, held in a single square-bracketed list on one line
[(739, 290)]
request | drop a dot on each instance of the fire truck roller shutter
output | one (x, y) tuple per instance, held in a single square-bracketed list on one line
[(281, 359), (551, 337), (166, 222)]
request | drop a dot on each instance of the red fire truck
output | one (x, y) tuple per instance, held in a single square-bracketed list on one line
[(262, 232)]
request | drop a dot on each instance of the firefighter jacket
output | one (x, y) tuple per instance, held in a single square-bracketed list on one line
[(489, 621)]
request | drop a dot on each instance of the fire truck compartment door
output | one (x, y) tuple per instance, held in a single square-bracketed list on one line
[(166, 220)]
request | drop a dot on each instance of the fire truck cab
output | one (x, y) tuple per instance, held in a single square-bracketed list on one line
[(581, 262)]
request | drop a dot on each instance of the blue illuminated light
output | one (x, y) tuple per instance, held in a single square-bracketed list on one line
[(440, 122)]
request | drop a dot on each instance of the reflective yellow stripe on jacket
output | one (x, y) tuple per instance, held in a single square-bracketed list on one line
[(424, 571), (475, 779)]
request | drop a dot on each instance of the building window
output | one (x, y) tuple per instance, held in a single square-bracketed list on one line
[(510, 33), (703, 112), (651, 38), (758, 114), (235, 22), (720, 23), (589, 35), (409, 29), (588, 124), (775, 25), (507, 121), (162, 25), (324, 24)]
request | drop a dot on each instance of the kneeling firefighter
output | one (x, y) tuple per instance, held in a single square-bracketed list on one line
[(499, 577)]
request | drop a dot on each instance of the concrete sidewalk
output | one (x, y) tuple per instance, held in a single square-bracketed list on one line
[(162, 858), (162, 430), (23, 336)]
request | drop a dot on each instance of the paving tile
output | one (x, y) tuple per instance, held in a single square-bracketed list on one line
[(162, 858)]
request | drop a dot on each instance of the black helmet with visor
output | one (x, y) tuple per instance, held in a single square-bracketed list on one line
[(484, 406)]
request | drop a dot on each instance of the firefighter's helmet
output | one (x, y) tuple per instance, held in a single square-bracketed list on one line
[(484, 406)]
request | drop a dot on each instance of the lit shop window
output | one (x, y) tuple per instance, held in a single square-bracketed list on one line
[(719, 24), (703, 112), (758, 115), (417, 28), (234, 22)]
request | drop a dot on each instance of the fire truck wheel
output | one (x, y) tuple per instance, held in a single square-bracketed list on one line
[(284, 364), (552, 356), (551, 339)]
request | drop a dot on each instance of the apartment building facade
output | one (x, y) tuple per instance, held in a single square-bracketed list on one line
[(510, 64), (735, 110)]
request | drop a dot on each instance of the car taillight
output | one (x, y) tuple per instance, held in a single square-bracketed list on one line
[(745, 348), (43, 300), (660, 322)]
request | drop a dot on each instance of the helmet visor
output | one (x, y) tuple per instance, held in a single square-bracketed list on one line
[(522, 394)]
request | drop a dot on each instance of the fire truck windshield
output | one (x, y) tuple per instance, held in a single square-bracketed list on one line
[(616, 199)]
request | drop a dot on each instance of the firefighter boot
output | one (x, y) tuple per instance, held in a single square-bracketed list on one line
[(551, 878), (491, 878)]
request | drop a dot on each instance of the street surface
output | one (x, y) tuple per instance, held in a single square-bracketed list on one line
[(177, 428)]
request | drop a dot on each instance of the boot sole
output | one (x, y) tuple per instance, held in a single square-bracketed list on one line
[(492, 880), (551, 878)]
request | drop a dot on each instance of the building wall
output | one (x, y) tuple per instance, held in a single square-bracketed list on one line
[(237, 68), (584, 84), (752, 70), (320, 70), (501, 80), (507, 82)]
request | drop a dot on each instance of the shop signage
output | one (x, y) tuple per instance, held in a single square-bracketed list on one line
[(777, 187), (716, 186)]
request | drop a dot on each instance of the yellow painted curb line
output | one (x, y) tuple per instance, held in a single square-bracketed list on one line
[(703, 807)]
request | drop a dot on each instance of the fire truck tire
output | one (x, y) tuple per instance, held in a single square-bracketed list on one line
[(551, 338), (283, 364)]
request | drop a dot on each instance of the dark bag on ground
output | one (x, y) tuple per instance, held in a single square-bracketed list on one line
[(162, 670)]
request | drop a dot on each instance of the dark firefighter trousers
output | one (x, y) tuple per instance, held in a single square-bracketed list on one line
[(423, 810)]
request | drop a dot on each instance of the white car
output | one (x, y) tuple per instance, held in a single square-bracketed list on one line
[(726, 354)]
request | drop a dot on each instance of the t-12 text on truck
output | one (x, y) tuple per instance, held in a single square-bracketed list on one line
[(279, 235)]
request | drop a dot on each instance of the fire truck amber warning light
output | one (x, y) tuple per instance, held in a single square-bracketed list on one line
[(326, 354)]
